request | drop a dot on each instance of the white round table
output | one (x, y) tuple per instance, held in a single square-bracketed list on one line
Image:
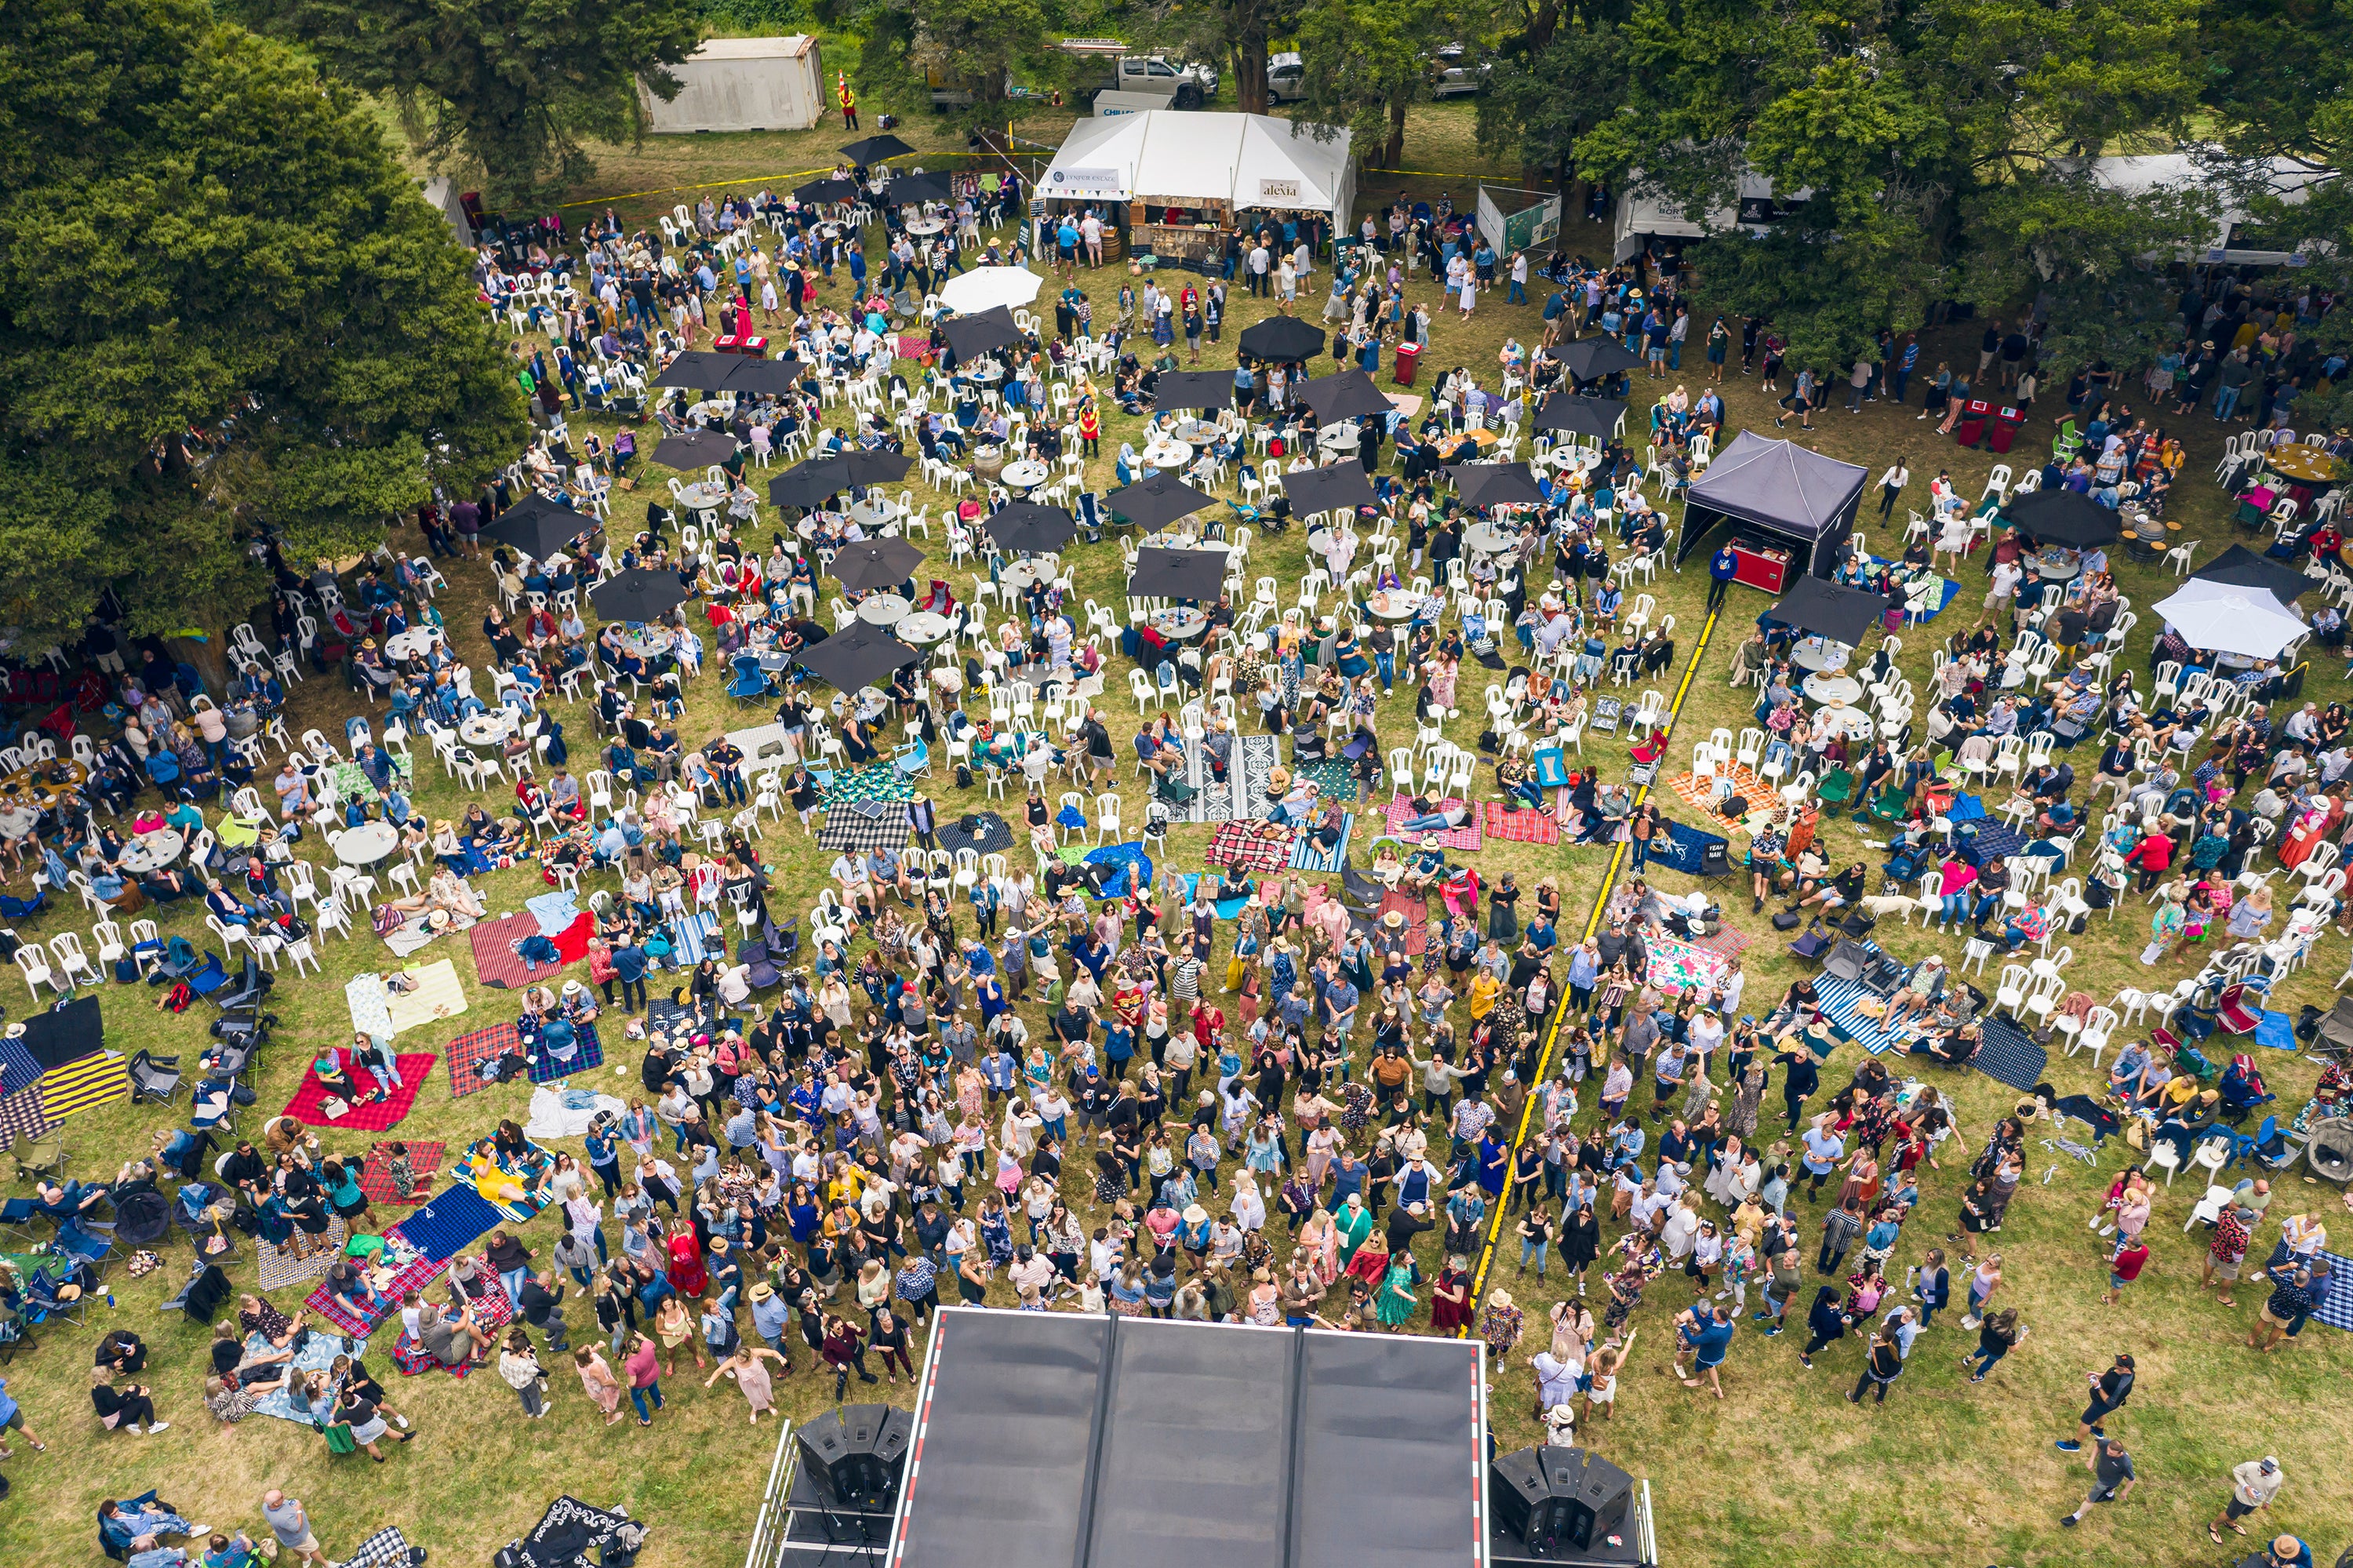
[(873, 514), (1339, 438), (1401, 605), (1179, 625), (1826, 687), (1025, 476), (1853, 723), (1819, 653), (926, 226), (987, 373), (487, 728), (151, 851), (882, 610), (1195, 432), (409, 644), (922, 628), (1019, 575), (701, 497), (1168, 454), (1488, 538), (366, 844)]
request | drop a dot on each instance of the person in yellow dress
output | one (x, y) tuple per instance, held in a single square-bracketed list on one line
[(1483, 989)]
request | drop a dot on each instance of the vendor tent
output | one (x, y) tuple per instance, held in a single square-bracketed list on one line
[(1777, 488), (1244, 160), (1824, 608), (741, 84)]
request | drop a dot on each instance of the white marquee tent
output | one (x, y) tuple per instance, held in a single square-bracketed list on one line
[(1175, 157)]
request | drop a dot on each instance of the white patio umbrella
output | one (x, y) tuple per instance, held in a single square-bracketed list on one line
[(2225, 617), (986, 288)]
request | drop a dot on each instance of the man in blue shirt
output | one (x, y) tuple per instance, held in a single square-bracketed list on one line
[(1720, 569), (1705, 1335)]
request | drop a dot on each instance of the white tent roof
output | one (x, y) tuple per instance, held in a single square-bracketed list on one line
[(1179, 156), (2290, 181)]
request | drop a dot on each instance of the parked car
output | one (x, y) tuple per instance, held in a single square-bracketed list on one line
[(1451, 73), (1286, 79)]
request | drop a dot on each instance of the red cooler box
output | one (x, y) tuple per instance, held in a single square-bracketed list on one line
[(1972, 429), (741, 342), (2007, 423), (1409, 359)]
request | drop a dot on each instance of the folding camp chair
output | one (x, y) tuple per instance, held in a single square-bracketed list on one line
[(16, 1218), (42, 1156), (152, 1079), (47, 1296), (1849, 960), (1551, 768), (1834, 787)]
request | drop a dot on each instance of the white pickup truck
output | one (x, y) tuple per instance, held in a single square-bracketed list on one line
[(1105, 69)]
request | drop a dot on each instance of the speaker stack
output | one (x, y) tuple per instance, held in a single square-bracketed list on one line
[(846, 1486), (1561, 1506)]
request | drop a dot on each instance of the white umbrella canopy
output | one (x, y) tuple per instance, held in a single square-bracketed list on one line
[(2226, 618), (986, 288)]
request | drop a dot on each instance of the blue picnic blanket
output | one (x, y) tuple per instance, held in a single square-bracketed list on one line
[(554, 911), (1681, 847), (1137, 872), (2277, 1030), (1306, 855), (448, 1225), (318, 1355), (1227, 908)]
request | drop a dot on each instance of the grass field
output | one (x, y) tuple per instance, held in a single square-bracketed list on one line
[(1783, 1472)]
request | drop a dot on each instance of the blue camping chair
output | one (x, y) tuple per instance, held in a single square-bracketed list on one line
[(749, 683), (913, 760), (1551, 768)]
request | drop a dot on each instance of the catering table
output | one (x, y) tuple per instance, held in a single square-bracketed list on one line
[(151, 851), (763, 745), (1025, 475), (1819, 653), (874, 513), (1825, 687), (882, 610), (488, 728), (2302, 463), (366, 844), (922, 628)]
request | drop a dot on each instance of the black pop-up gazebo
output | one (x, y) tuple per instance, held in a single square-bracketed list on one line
[(1779, 490)]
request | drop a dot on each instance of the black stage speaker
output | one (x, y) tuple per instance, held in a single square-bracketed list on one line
[(1557, 1502), (858, 1454)]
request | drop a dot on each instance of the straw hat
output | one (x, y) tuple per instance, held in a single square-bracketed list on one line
[(1499, 1298), (1394, 919)]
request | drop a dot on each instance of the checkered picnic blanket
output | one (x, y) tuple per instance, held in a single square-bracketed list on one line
[(469, 1052), (864, 826), (280, 1269), (1466, 837), (21, 1115), (375, 1176), (1701, 796), (1522, 826), (18, 1069), (1249, 845), (418, 1273)]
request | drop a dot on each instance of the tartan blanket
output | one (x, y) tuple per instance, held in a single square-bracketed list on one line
[(862, 827), (1701, 796), (1466, 837), (1249, 845), (18, 1070), (375, 1176), (468, 1054), (418, 1273), (280, 1269), (1522, 826)]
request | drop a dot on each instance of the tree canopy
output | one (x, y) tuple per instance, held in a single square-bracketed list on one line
[(197, 235), (511, 88)]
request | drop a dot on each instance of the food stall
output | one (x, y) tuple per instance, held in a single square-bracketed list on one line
[(1170, 185)]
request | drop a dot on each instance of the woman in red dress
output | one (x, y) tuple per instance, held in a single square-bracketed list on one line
[(1450, 1298), (687, 1274)]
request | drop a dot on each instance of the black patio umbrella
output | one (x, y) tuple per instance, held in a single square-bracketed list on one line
[(1576, 416), (981, 333), (1029, 526), (1826, 608), (1179, 574), (636, 595), (1590, 358), (1283, 339), (876, 467), (538, 527), (1157, 501), (1496, 484), (1329, 488), (755, 377), (856, 657), (809, 484), (2242, 567), (695, 448), (874, 149), (826, 189), (1347, 395), (2061, 517), (908, 189), (874, 563), (698, 370), (1194, 390)]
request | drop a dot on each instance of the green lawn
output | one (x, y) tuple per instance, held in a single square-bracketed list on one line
[(1783, 1472)]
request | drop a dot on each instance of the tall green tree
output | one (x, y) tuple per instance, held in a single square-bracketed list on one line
[(513, 88), (1236, 35), (1368, 63), (196, 233)]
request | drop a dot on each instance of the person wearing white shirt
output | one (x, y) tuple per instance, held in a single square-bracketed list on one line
[(1891, 484)]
